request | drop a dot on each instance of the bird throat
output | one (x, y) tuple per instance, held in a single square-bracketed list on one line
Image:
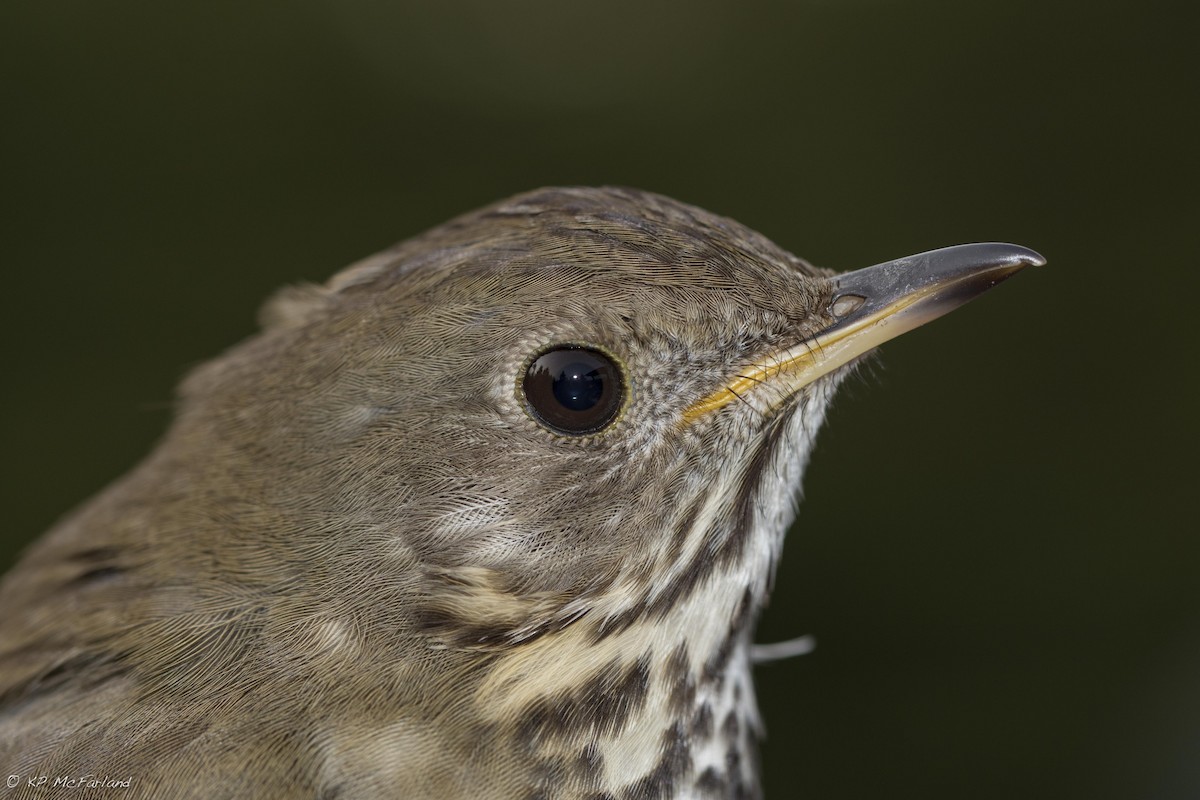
[(659, 709), (657, 699)]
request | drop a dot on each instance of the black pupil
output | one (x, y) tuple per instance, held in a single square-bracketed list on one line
[(578, 386), (574, 390)]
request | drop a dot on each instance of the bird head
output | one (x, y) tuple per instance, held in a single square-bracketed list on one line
[(513, 490)]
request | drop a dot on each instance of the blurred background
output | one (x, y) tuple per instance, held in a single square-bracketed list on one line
[(998, 553)]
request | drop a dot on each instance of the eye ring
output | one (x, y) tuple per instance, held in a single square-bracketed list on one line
[(576, 390)]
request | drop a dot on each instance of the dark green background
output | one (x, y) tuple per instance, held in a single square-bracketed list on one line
[(998, 552)]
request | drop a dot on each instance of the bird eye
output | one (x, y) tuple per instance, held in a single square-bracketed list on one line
[(574, 390)]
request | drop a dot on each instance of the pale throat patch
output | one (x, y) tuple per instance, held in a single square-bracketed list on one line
[(699, 624)]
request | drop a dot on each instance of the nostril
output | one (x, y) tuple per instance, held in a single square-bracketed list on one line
[(846, 304)]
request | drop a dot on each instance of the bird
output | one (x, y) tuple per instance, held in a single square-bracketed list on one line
[(490, 514)]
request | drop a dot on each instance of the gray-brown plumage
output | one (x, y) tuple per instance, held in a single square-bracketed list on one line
[(361, 564)]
